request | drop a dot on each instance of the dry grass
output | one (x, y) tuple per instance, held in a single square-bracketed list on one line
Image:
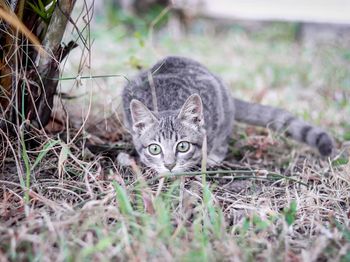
[(98, 209), (270, 200)]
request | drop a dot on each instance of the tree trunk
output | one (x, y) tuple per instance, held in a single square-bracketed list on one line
[(27, 87)]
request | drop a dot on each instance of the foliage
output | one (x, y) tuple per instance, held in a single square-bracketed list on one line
[(290, 213), (43, 9), (138, 22)]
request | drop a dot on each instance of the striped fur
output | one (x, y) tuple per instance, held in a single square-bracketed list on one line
[(193, 103), (282, 121)]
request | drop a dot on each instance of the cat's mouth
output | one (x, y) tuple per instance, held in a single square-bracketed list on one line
[(178, 169), (165, 171)]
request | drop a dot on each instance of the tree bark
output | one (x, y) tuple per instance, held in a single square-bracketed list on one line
[(28, 90), (49, 62)]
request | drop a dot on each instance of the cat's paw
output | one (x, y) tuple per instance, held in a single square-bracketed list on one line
[(125, 159), (214, 160)]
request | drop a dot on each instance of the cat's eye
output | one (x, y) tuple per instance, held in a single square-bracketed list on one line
[(154, 149), (183, 146)]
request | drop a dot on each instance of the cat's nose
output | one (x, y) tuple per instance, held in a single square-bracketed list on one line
[(170, 166)]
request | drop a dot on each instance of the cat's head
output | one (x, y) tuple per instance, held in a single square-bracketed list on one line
[(170, 141)]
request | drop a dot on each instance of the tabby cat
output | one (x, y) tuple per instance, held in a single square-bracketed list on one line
[(170, 108)]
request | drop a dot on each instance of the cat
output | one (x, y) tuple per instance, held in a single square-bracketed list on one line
[(170, 108)]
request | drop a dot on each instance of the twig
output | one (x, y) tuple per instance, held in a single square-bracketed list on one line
[(88, 77), (218, 172), (153, 91)]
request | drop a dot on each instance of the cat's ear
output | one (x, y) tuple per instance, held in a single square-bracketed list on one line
[(141, 116), (192, 111)]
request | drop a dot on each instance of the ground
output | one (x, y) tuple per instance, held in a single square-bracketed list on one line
[(272, 199)]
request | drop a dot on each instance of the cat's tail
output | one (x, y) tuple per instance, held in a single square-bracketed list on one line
[(281, 120)]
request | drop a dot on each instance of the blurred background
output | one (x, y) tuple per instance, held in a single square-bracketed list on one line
[(292, 54)]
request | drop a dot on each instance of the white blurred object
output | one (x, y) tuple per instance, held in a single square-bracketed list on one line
[(316, 11)]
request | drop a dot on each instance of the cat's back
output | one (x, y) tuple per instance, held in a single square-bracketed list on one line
[(173, 80)]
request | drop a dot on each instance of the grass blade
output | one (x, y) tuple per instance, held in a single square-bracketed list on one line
[(123, 200), (44, 151)]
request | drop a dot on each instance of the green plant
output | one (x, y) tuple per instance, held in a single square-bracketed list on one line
[(44, 9), (290, 213)]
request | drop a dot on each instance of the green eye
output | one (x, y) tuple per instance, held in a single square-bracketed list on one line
[(154, 149), (183, 146)]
